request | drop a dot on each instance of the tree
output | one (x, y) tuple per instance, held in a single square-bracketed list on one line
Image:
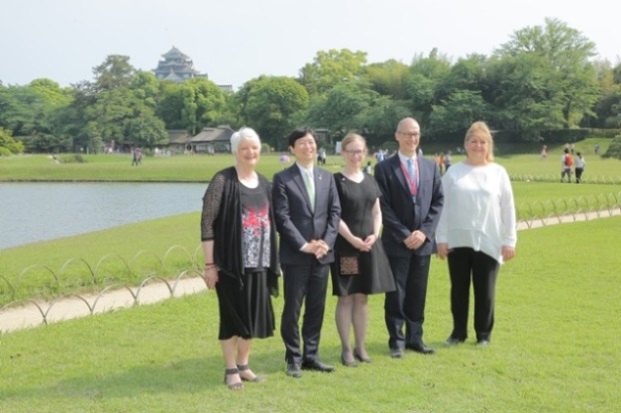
[(455, 114), (114, 72), (169, 106), (564, 63), (203, 103), (30, 113), (269, 105), (8, 145), (332, 68), (343, 108), (388, 78), (524, 96), (147, 131), (426, 73)]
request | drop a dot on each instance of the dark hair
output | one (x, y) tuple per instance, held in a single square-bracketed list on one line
[(300, 133)]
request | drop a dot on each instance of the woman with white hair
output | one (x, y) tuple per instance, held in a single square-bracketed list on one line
[(239, 244)]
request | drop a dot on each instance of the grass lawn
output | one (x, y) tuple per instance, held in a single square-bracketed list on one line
[(556, 345), (555, 348), (117, 167)]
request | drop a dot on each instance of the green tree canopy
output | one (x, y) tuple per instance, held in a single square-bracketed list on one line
[(331, 68), (8, 145), (114, 72), (269, 105)]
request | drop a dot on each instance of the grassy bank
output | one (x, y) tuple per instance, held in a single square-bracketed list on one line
[(555, 349), (200, 168)]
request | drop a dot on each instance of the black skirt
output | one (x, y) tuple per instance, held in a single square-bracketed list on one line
[(245, 312)]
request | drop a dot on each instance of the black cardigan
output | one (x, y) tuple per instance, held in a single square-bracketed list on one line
[(221, 221)]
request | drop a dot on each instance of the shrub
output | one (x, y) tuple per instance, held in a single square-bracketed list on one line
[(614, 150)]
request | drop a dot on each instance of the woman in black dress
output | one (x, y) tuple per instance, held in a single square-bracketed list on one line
[(360, 267), (239, 244)]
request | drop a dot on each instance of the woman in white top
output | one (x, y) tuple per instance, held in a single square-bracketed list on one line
[(477, 232)]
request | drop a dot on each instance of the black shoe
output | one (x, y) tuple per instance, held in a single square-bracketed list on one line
[(420, 348), (348, 363), (361, 359), (317, 366), (452, 341), (396, 353), (294, 370)]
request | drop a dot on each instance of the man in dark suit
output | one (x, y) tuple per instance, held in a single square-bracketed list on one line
[(307, 212), (411, 202)]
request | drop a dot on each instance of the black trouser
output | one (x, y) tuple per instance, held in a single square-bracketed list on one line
[(303, 284), (466, 264), (406, 305), (579, 175)]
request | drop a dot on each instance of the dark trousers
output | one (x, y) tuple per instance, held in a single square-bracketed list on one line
[(579, 175), (466, 264), (406, 305), (306, 285)]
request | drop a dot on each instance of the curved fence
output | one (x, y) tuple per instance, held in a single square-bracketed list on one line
[(588, 179), (567, 210)]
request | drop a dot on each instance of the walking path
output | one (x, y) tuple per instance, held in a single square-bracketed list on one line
[(37, 313)]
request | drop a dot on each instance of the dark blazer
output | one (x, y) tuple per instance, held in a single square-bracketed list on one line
[(295, 220), (400, 215)]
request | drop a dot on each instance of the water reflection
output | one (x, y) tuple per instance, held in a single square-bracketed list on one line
[(31, 212)]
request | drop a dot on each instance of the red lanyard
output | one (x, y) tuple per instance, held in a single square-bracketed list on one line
[(412, 183)]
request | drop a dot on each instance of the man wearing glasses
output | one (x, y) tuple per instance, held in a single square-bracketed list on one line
[(411, 203)]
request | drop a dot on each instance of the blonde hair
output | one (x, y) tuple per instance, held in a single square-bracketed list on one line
[(351, 137), (481, 130)]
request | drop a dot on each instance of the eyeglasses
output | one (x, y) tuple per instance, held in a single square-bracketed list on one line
[(410, 134), (357, 152)]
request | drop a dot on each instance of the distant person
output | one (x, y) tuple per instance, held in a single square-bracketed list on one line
[(477, 233), (322, 156), (580, 163), (448, 160), (411, 204), (135, 157), (566, 163), (368, 169), (308, 212), (379, 155), (440, 162), (239, 244), (360, 267), (544, 152), (597, 149), (572, 149)]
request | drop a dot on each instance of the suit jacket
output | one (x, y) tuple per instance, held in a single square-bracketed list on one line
[(400, 215), (295, 220)]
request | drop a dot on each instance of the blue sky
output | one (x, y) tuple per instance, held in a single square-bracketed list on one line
[(237, 40)]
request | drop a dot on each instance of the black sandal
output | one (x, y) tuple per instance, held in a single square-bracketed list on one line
[(244, 367), (233, 386)]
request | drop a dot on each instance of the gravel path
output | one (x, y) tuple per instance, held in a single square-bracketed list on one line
[(36, 313)]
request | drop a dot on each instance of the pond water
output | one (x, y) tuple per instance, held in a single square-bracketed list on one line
[(31, 212)]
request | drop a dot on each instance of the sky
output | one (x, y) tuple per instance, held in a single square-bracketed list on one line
[(234, 41)]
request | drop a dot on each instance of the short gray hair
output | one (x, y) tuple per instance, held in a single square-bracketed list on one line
[(244, 134)]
